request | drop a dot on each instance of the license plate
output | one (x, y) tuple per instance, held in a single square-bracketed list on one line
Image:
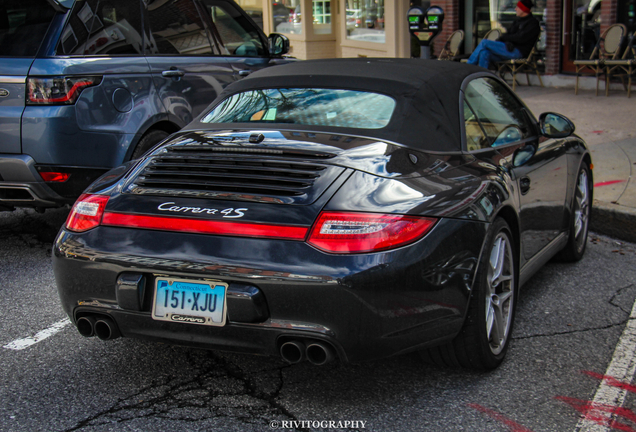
[(190, 302)]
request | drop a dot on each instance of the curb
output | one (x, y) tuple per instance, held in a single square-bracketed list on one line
[(614, 220)]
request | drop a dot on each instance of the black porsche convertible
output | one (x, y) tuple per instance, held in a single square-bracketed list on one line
[(345, 209)]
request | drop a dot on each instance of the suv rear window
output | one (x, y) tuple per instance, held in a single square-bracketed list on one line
[(23, 25)]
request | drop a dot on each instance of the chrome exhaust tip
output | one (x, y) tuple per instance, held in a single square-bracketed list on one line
[(86, 326), (293, 351), (106, 329), (319, 354)]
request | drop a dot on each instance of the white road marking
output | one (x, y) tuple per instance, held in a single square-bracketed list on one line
[(20, 344), (622, 368)]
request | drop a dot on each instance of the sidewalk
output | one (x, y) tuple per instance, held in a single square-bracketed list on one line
[(608, 126)]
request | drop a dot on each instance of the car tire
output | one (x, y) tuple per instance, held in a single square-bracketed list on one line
[(484, 339), (148, 141), (579, 218)]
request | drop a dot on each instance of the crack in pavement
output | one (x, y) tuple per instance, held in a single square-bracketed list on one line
[(222, 390), (616, 294), (609, 326)]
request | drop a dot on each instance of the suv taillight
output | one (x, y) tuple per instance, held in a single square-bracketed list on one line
[(340, 232), (86, 213), (58, 90)]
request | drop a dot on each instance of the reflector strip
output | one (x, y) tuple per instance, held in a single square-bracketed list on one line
[(218, 227), (55, 176)]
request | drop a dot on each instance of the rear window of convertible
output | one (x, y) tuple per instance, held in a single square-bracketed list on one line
[(306, 106)]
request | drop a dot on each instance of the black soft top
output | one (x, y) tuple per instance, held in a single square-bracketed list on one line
[(427, 112)]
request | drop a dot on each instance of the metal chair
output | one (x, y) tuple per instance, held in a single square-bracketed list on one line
[(627, 64), (452, 46), (515, 66), (607, 48)]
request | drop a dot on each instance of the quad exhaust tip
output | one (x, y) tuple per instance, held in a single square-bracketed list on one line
[(96, 325), (317, 353), (293, 352)]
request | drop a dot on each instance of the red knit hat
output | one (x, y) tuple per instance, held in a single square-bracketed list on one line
[(525, 5)]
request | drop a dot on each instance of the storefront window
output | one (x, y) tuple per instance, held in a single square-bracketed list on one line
[(489, 14), (322, 16), (365, 20), (287, 16)]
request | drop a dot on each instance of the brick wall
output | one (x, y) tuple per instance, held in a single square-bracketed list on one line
[(609, 13), (553, 36), (451, 22)]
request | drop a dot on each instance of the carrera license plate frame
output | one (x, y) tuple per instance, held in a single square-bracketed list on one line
[(190, 301)]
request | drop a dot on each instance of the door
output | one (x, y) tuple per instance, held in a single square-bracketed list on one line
[(189, 67), (497, 119), (581, 29)]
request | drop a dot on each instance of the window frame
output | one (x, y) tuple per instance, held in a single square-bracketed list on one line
[(533, 132), (145, 29), (58, 49)]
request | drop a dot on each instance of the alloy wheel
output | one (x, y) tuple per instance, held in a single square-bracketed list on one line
[(581, 209), (500, 294)]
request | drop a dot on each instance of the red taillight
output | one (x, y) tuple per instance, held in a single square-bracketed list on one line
[(366, 232), (59, 90), (57, 177), (202, 226), (87, 212)]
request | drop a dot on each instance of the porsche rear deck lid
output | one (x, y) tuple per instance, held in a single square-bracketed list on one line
[(273, 175)]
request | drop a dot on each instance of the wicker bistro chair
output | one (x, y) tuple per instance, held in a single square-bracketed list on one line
[(493, 34), (516, 66), (607, 48), (627, 65), (452, 46)]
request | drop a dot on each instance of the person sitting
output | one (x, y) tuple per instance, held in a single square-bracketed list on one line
[(516, 43)]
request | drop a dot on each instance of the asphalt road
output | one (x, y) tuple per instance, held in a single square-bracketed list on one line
[(569, 322)]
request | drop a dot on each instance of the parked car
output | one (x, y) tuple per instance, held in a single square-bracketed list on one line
[(83, 89), (344, 208), (354, 19)]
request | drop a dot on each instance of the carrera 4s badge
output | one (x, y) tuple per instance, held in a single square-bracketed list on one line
[(227, 213)]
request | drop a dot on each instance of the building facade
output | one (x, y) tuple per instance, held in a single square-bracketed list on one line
[(378, 28)]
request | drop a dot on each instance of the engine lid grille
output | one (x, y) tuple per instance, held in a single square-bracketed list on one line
[(236, 173)]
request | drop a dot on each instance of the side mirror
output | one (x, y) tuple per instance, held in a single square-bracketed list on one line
[(278, 44), (523, 154), (555, 125)]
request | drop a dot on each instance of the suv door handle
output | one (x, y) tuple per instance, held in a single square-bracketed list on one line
[(172, 73), (244, 72)]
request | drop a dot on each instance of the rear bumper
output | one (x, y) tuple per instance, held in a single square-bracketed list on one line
[(366, 305), (22, 186)]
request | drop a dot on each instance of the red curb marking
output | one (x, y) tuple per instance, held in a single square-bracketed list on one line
[(607, 183), (593, 412), (610, 380), (512, 425)]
